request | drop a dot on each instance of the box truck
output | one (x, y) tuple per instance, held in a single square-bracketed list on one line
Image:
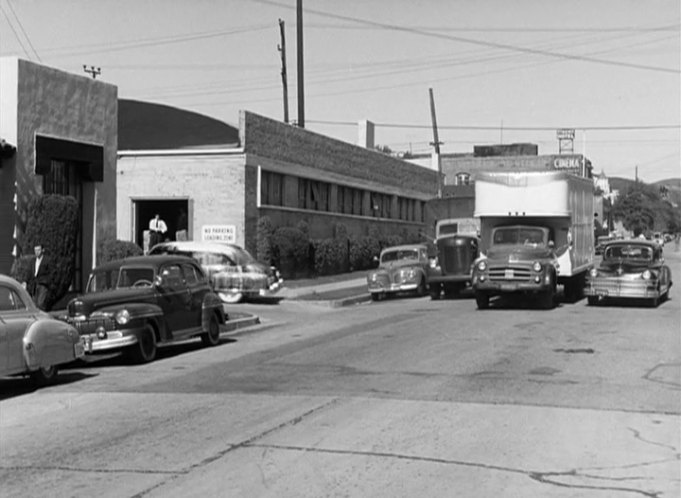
[(536, 232)]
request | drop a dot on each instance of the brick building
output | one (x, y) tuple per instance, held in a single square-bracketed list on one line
[(264, 168)]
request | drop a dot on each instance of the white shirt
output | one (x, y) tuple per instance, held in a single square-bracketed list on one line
[(37, 265), (158, 225)]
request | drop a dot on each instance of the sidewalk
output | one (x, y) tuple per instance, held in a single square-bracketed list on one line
[(336, 290)]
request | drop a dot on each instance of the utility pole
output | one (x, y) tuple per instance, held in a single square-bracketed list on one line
[(284, 81), (94, 71), (436, 144), (301, 90)]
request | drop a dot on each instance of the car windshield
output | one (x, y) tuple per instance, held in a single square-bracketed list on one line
[(623, 252), (391, 256), (518, 235)]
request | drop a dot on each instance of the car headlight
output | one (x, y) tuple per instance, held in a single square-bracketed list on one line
[(646, 275), (434, 263), (536, 266), (593, 272), (122, 317), (482, 265)]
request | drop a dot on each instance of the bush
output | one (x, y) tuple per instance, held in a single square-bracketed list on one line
[(263, 241), (111, 250), (362, 252), (53, 222), (329, 256), (291, 248)]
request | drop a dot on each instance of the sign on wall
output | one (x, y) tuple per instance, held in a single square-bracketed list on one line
[(218, 233)]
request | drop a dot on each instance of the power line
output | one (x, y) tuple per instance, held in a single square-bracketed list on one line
[(407, 29), (16, 35), (512, 128), (28, 39)]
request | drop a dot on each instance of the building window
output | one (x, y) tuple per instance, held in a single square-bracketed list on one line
[(272, 188), (313, 195), (463, 179)]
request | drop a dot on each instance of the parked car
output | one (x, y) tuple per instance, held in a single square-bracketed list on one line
[(630, 269), (451, 270), (31, 341), (136, 303), (233, 272), (400, 269)]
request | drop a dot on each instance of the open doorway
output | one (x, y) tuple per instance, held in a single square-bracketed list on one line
[(174, 212)]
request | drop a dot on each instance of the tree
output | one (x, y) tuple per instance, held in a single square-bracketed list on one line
[(637, 209)]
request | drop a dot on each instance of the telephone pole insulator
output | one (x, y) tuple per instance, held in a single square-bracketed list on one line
[(93, 71)]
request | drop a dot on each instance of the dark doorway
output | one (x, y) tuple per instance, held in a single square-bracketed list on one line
[(174, 212)]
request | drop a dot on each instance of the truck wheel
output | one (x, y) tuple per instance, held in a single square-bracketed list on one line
[(435, 291), (482, 300), (546, 300)]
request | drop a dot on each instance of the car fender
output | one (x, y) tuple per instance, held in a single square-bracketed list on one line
[(49, 342), (211, 304)]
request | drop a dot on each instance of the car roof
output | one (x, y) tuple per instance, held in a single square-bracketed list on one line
[(192, 245), (405, 247), (149, 260)]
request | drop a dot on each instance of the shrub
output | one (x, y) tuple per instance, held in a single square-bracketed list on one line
[(263, 243), (330, 256), (53, 221), (291, 247), (362, 252), (112, 249)]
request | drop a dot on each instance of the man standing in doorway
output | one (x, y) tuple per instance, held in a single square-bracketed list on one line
[(39, 278), (157, 230)]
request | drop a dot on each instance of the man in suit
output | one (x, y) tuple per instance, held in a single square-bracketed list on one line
[(39, 278), (157, 230)]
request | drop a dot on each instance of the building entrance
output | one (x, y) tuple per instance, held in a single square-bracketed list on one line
[(175, 214)]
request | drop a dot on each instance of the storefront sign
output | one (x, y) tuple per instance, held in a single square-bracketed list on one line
[(565, 134), (218, 233), (567, 163)]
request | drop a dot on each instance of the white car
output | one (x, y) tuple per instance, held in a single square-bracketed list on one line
[(234, 274)]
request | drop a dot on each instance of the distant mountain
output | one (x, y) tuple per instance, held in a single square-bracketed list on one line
[(670, 182)]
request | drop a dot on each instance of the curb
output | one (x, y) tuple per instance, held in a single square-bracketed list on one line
[(239, 323), (337, 303)]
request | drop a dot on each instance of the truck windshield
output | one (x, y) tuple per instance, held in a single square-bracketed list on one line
[(518, 235)]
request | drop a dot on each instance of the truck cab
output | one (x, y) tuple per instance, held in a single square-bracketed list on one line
[(520, 259)]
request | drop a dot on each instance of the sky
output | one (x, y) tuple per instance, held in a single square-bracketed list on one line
[(500, 71)]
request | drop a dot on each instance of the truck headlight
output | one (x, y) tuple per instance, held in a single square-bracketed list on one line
[(536, 266), (593, 272), (122, 317), (482, 265), (646, 275)]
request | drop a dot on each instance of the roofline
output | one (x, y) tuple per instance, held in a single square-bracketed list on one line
[(182, 152)]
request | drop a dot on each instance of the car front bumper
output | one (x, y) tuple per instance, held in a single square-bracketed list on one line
[(383, 288), (612, 287), (114, 340)]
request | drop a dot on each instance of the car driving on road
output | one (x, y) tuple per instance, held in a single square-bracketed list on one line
[(630, 269), (400, 269)]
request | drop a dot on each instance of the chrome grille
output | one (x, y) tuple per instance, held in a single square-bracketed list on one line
[(89, 326), (509, 273)]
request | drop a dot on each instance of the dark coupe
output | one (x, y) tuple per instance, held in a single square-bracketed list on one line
[(135, 303), (630, 269)]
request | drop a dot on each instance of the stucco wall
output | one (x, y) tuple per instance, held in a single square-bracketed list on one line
[(214, 185), (39, 100)]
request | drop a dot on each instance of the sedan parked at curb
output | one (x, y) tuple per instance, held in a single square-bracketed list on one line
[(134, 304), (31, 341), (630, 269), (400, 269), (234, 274)]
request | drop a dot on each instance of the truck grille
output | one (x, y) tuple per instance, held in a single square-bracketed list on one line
[(509, 273), (456, 259)]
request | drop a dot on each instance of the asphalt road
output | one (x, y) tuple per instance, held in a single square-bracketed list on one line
[(402, 397)]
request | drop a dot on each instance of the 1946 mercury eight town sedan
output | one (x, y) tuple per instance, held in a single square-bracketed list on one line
[(135, 303), (31, 341)]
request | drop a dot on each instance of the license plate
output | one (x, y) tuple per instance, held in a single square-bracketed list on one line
[(507, 287), (79, 349), (508, 273)]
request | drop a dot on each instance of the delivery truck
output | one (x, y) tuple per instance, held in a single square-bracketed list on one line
[(536, 233)]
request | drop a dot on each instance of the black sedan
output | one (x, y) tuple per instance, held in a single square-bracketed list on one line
[(135, 303), (630, 269)]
